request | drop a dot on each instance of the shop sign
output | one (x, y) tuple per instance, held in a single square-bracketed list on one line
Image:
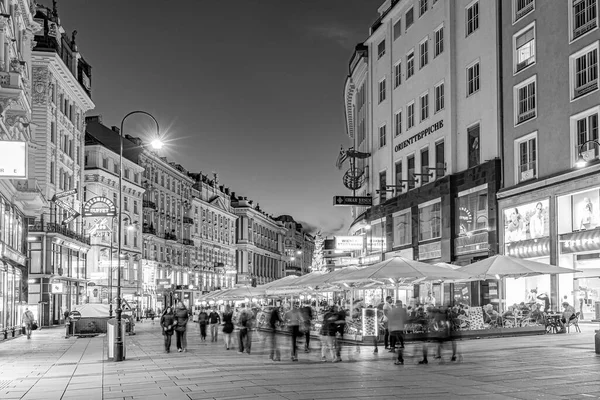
[(472, 243), (430, 250), (11, 254), (100, 228), (370, 259), (376, 243), (352, 201), (163, 282), (58, 288), (349, 243), (528, 248), (100, 206), (13, 159), (344, 261), (527, 221), (580, 241), (415, 138)]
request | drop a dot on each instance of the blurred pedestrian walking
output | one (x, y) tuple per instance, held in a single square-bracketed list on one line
[(243, 322), (181, 318), (28, 322), (214, 320), (203, 321), (327, 332), (274, 320), (227, 325), (293, 319), (340, 328), (307, 316), (397, 318), (167, 322)]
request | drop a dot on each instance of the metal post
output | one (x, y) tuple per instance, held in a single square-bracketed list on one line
[(110, 272)]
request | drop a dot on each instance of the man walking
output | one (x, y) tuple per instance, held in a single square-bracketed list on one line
[(244, 321), (293, 321), (307, 317), (387, 307), (202, 321), (214, 320), (28, 320), (397, 318)]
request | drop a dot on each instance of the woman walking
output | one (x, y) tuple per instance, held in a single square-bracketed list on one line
[(227, 325), (181, 319), (167, 322), (202, 320)]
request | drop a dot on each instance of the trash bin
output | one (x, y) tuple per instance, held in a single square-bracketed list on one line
[(111, 335)]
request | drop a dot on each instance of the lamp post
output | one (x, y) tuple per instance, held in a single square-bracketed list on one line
[(157, 144), (582, 160)]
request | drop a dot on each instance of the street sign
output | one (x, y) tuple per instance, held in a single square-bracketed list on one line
[(100, 206), (75, 315), (125, 305), (71, 218), (352, 201), (64, 194)]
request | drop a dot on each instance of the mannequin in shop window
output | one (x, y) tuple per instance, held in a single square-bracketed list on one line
[(536, 224), (587, 220), (515, 227)]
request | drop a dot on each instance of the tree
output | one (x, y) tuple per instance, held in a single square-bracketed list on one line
[(318, 263)]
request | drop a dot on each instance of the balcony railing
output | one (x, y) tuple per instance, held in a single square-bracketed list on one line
[(148, 230), (188, 220), (527, 115), (584, 28), (187, 242), (149, 204), (524, 10), (587, 88), (170, 236), (52, 227)]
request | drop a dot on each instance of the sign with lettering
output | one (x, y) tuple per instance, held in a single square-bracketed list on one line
[(349, 243), (13, 159), (64, 194), (352, 201), (99, 207), (415, 138)]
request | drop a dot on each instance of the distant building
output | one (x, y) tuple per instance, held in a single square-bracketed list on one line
[(299, 247)]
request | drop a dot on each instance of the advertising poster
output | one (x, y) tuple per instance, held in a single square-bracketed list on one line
[(585, 210), (527, 221)]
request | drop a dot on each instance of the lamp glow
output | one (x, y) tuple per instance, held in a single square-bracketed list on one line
[(157, 144), (580, 162), (497, 276)]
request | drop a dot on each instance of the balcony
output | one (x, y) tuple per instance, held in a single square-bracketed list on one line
[(188, 220), (170, 236), (187, 242), (148, 230), (587, 88), (584, 28), (52, 227), (149, 204), (527, 115), (30, 194)]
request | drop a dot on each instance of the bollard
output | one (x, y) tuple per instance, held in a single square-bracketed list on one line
[(67, 326)]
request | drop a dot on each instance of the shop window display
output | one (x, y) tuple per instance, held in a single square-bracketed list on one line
[(472, 210)]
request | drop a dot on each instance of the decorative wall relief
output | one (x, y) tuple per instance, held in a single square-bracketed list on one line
[(41, 85)]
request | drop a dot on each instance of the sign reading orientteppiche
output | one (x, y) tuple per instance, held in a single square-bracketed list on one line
[(352, 201), (99, 207)]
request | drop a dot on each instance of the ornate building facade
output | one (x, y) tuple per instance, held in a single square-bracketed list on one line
[(21, 197), (299, 247), (61, 96)]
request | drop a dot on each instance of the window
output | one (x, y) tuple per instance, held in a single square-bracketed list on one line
[(473, 142), (524, 45), (440, 160), (381, 49), (382, 187), (424, 106), (397, 29), (52, 132), (398, 182), (439, 97), (584, 17), (136, 177), (472, 18), (382, 90), (430, 221), (410, 64), (105, 163), (410, 169), (585, 127), (85, 159), (51, 171), (526, 149), (125, 203), (410, 115), (423, 47), (397, 75), (382, 136), (402, 228), (439, 41), (525, 107), (422, 7), (135, 207), (472, 79), (425, 166), (522, 8), (398, 123), (472, 207), (126, 173), (409, 17), (116, 167), (584, 71)]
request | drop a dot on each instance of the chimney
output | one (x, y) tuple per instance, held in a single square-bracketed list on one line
[(251, 202), (232, 194), (93, 118), (227, 191), (115, 129), (221, 187)]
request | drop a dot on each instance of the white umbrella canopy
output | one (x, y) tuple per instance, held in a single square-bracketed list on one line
[(510, 267), (400, 269), (244, 291)]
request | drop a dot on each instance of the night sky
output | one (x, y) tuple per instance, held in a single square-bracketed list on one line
[(250, 89)]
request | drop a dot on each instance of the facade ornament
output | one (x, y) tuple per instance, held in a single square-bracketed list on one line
[(5, 104), (41, 85)]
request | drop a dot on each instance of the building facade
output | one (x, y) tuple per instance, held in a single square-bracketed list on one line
[(101, 182), (299, 247), (260, 250), (20, 195), (422, 100), (61, 95), (549, 207), (213, 234)]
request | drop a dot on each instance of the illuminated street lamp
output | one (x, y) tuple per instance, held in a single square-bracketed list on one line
[(583, 157), (118, 355)]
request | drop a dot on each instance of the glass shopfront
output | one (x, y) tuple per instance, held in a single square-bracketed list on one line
[(527, 236), (579, 248), (10, 297)]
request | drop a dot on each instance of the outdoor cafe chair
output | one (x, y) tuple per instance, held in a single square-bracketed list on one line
[(574, 322)]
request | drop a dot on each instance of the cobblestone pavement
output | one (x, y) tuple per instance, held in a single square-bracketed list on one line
[(535, 367)]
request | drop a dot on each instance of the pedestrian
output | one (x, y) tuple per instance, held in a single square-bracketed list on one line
[(202, 320), (274, 319), (243, 321), (167, 322), (214, 319), (28, 322), (181, 318), (340, 327), (327, 333), (387, 338), (307, 316), (227, 325), (151, 314), (292, 318), (397, 318)]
